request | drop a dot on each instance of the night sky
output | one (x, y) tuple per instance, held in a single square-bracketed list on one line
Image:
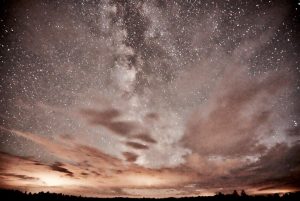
[(150, 98)]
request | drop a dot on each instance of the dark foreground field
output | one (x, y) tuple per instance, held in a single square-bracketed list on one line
[(18, 195)]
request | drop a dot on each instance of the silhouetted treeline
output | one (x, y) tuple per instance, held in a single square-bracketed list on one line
[(16, 195)]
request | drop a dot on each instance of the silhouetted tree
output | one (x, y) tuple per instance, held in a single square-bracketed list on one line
[(235, 193), (243, 193)]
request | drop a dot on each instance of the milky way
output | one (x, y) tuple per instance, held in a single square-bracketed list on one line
[(150, 98)]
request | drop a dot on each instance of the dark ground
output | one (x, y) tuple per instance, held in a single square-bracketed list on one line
[(20, 196)]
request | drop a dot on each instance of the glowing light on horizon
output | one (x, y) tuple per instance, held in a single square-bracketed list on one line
[(56, 180)]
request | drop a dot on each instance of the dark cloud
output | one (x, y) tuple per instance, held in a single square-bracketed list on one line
[(22, 177), (84, 174), (106, 119), (152, 116), (67, 137), (95, 173), (122, 127), (283, 160), (57, 166), (279, 168), (100, 117), (145, 137), (93, 152), (4, 156), (136, 145), (130, 157)]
